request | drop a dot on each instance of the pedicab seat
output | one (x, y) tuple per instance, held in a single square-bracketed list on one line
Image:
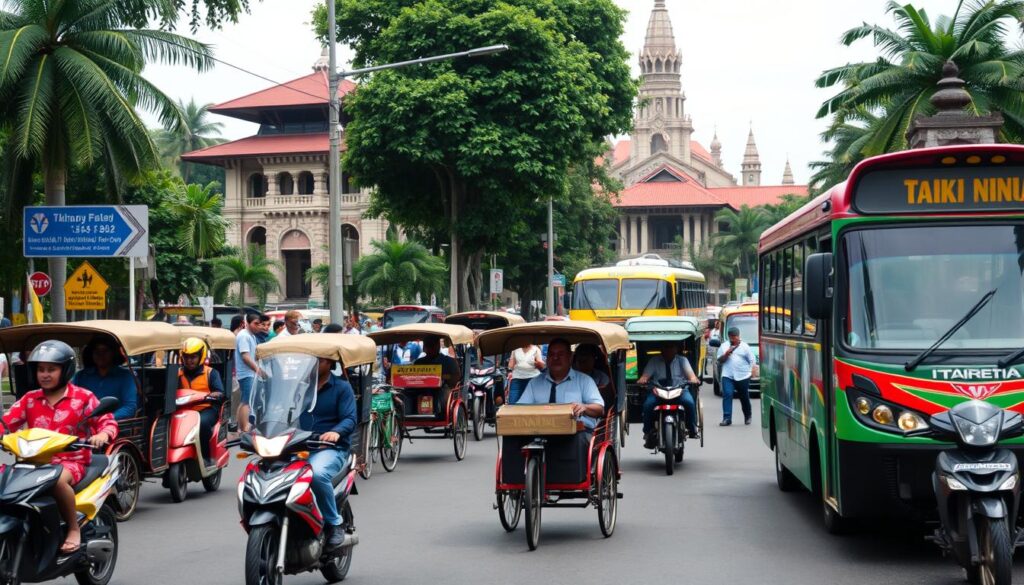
[(93, 471), (411, 400), (566, 457)]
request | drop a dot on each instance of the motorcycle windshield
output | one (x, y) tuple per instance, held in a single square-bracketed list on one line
[(287, 390)]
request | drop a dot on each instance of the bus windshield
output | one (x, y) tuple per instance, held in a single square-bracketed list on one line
[(909, 285), (596, 294), (747, 324), (646, 293), (394, 318)]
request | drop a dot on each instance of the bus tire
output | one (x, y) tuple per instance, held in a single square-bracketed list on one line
[(785, 479)]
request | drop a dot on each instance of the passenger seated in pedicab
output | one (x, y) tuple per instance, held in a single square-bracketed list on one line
[(105, 375), (451, 374), (196, 375), (560, 384), (585, 361), (677, 373)]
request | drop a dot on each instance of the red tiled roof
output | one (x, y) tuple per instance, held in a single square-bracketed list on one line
[(620, 153), (304, 91), (754, 196), (262, 145), (696, 149), (687, 192)]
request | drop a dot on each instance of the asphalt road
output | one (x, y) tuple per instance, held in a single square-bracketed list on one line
[(719, 519)]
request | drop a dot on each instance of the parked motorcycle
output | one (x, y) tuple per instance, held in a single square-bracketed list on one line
[(485, 382), (31, 529), (185, 454), (977, 488), (670, 421)]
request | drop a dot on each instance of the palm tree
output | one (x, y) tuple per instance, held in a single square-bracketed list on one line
[(252, 272), (70, 80), (320, 276), (198, 211), (396, 271), (900, 82), (849, 133), (741, 234), (788, 203), (192, 131)]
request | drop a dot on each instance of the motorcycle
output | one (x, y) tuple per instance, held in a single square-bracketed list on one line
[(483, 382), (670, 421), (977, 488), (185, 454), (286, 530), (31, 529)]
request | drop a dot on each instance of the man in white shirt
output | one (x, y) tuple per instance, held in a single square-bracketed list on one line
[(670, 369), (291, 324), (737, 364)]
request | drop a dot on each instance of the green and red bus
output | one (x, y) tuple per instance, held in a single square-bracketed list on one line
[(856, 288)]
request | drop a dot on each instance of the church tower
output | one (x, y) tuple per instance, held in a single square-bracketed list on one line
[(787, 174), (751, 163), (661, 123), (716, 150)]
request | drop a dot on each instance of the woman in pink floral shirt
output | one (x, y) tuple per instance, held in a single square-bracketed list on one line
[(61, 407)]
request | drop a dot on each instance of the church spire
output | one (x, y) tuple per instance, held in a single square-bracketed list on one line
[(751, 163), (787, 175), (716, 149)]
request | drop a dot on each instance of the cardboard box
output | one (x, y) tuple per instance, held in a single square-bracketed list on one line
[(536, 419)]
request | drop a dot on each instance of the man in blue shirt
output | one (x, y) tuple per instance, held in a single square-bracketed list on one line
[(675, 370), (560, 384), (334, 418), (104, 375), (246, 368), (737, 363)]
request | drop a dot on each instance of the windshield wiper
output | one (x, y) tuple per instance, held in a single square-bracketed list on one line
[(583, 293), (909, 366), (869, 296), (654, 297)]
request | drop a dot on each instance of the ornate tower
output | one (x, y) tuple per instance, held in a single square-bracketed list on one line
[(787, 175), (661, 123), (751, 163), (716, 150)]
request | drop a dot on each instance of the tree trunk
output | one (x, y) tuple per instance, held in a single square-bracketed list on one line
[(55, 180)]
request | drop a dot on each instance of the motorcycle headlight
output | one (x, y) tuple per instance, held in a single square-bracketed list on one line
[(668, 393), (269, 447), (480, 381), (979, 435), (31, 448), (1009, 484), (953, 483)]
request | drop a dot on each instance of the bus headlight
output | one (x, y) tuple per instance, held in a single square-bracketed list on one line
[(883, 415)]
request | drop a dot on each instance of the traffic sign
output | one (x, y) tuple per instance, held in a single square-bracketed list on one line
[(558, 280), (86, 231), (85, 289), (41, 283), (497, 281)]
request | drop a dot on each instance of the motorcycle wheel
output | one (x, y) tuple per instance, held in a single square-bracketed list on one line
[(478, 419), (391, 447), (212, 483), (679, 451), (510, 509), (461, 432), (668, 441), (8, 545), (534, 502), (100, 573), (177, 479), (261, 556), (127, 486), (336, 569), (372, 443), (996, 551)]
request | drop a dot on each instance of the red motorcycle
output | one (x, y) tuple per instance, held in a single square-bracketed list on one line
[(184, 451)]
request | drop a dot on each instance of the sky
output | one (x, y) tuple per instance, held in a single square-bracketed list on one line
[(745, 63)]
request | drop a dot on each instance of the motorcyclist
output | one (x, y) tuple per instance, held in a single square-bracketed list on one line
[(60, 406), (674, 369), (196, 375), (334, 418)]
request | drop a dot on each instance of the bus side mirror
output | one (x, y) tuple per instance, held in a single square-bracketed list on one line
[(818, 285)]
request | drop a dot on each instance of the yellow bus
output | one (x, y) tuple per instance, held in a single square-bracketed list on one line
[(641, 287)]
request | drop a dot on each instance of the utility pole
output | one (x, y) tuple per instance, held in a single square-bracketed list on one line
[(551, 259), (336, 270)]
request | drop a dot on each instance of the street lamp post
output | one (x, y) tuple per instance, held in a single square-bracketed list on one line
[(336, 271), (551, 259)]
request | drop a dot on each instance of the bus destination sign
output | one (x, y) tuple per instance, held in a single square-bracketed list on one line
[(941, 190)]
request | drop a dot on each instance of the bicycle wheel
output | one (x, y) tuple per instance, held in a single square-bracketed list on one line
[(391, 442), (510, 509), (608, 496), (534, 502), (461, 428), (371, 446)]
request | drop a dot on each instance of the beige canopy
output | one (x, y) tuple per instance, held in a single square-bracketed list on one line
[(608, 335), (485, 320), (215, 337), (136, 337), (351, 350), (452, 334)]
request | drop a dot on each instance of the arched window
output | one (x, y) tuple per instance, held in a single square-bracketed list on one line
[(658, 144), (257, 185), (305, 183), (286, 183), (657, 65), (258, 239)]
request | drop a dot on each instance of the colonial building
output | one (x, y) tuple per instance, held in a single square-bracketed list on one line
[(673, 185), (276, 182)]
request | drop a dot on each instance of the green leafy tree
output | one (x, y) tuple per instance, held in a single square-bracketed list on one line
[(470, 146), (849, 133), (396, 271), (70, 80), (198, 211), (192, 131), (740, 235), (214, 13), (252, 272), (898, 84)]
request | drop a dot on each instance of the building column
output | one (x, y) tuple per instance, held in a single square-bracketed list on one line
[(622, 235), (319, 183), (685, 233), (699, 230), (644, 242), (273, 185), (634, 236)]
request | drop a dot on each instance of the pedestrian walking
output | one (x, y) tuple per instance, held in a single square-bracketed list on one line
[(291, 324), (246, 367), (737, 365), (525, 364)]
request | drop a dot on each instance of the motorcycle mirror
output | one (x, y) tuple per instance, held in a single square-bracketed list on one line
[(107, 405), (1013, 425)]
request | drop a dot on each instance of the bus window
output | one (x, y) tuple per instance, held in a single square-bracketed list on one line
[(640, 293), (797, 301), (596, 294)]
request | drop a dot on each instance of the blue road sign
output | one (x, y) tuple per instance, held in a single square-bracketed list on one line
[(86, 231)]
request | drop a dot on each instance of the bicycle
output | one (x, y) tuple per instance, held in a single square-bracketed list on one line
[(385, 431)]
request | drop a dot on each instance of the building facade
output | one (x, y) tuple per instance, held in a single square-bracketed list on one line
[(276, 183)]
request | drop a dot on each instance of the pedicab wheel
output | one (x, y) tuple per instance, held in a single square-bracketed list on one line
[(478, 420), (99, 573), (623, 427), (608, 495), (461, 432), (391, 447), (337, 568), (177, 480), (127, 485), (534, 502), (510, 509), (700, 421), (212, 483), (669, 441), (261, 556), (995, 550), (370, 451)]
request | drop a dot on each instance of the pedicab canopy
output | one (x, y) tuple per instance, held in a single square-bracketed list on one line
[(135, 337), (485, 320), (215, 337), (451, 334), (350, 350), (662, 328), (608, 335)]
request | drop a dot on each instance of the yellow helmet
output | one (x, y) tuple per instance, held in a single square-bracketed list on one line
[(192, 346)]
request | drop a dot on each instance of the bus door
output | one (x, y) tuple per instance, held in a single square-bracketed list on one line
[(830, 489)]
